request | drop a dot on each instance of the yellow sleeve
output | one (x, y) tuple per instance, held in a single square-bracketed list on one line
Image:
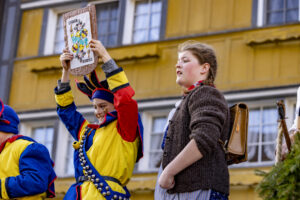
[(117, 79), (64, 99), (3, 189)]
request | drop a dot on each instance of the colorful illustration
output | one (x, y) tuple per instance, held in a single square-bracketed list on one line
[(79, 34), (79, 38)]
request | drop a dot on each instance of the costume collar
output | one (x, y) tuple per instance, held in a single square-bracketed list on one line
[(109, 117), (10, 140)]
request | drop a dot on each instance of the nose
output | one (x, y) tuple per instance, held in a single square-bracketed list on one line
[(178, 65)]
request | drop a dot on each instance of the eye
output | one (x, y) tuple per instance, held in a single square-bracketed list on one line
[(103, 107)]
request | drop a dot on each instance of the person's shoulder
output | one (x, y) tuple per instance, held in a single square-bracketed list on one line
[(207, 91), (32, 145), (23, 141), (38, 147)]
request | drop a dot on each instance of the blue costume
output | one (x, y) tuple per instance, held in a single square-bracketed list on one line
[(26, 169)]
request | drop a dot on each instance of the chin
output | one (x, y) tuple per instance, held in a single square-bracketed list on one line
[(180, 82)]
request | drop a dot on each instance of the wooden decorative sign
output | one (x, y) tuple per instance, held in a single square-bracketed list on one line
[(80, 26)]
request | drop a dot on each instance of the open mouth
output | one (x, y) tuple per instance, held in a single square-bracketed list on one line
[(99, 116), (179, 73)]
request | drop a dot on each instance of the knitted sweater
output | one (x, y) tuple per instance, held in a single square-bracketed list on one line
[(203, 115)]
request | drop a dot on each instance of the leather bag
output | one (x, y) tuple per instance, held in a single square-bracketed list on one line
[(236, 146)]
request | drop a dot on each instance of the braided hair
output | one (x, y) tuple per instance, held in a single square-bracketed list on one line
[(205, 54)]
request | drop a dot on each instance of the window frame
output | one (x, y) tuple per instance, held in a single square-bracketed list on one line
[(48, 43), (129, 22), (265, 103), (121, 12), (124, 36), (147, 118), (29, 120), (260, 12), (27, 128), (262, 106)]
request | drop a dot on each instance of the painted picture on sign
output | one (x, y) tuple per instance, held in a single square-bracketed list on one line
[(79, 34), (80, 26)]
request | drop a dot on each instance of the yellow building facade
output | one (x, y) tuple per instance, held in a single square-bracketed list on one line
[(258, 63)]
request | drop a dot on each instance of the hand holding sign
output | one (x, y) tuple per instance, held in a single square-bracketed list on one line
[(80, 27), (98, 48)]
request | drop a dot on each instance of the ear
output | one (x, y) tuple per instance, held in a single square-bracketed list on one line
[(205, 68)]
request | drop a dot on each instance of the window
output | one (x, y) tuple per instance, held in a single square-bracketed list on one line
[(69, 154), (262, 133), (52, 42), (45, 136), (154, 122), (147, 18), (282, 11), (295, 113), (144, 21), (59, 43), (43, 131), (69, 167), (108, 23), (156, 137), (119, 23), (263, 130), (47, 129), (271, 12)]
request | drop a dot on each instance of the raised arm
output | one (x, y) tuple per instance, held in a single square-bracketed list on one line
[(124, 104), (66, 108)]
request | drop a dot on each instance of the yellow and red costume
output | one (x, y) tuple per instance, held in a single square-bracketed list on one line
[(26, 169), (109, 149)]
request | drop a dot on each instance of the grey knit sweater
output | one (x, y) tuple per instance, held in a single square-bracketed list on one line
[(203, 115)]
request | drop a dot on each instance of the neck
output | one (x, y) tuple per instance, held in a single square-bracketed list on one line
[(4, 136)]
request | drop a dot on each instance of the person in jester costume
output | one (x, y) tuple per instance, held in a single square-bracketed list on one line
[(104, 153), (26, 169)]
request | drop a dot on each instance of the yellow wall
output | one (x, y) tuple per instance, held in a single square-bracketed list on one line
[(186, 17), (30, 33), (248, 58)]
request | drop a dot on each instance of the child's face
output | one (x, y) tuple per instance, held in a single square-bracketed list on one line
[(188, 69), (101, 107)]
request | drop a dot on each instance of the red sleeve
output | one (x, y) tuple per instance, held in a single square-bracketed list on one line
[(127, 113)]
